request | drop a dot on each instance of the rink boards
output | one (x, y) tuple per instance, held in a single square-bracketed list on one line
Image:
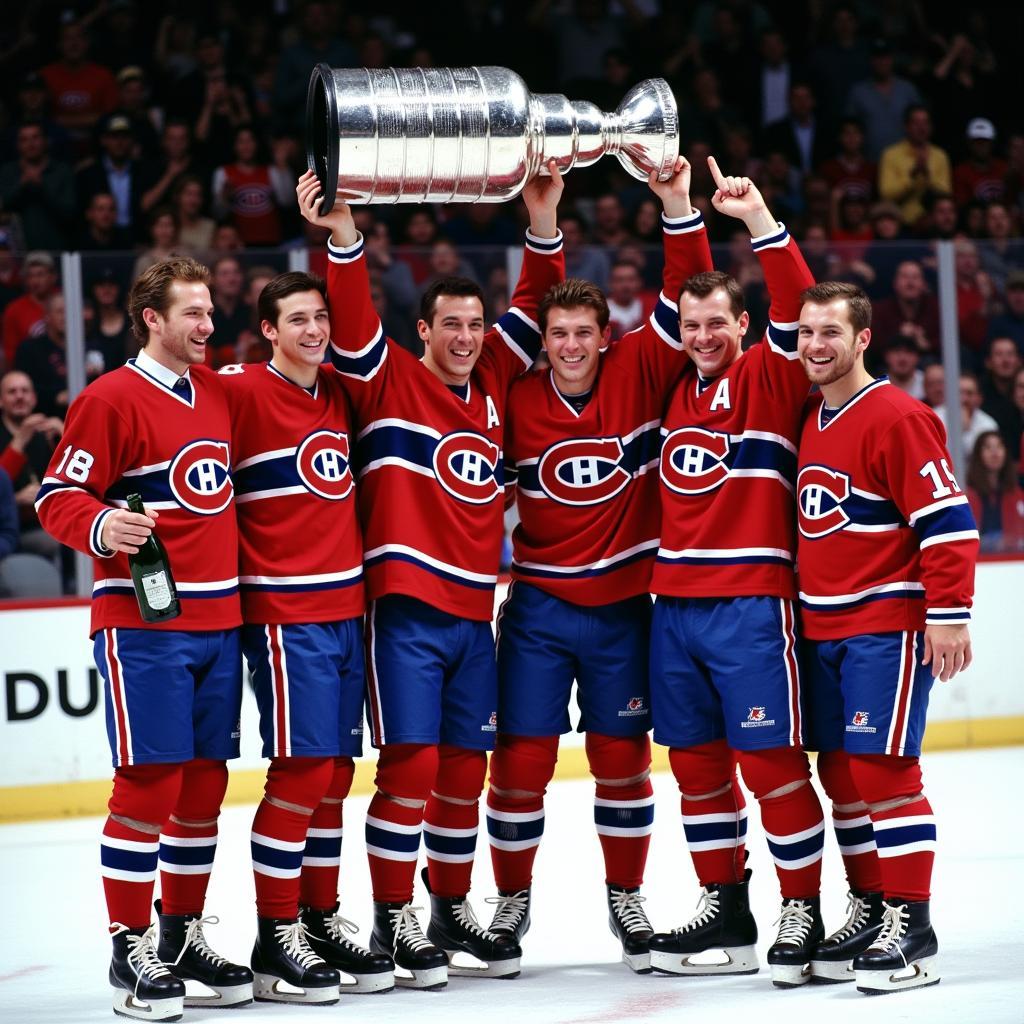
[(54, 759)]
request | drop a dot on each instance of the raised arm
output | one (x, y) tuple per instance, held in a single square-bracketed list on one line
[(358, 348)]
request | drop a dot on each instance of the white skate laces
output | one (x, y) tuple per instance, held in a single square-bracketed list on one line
[(195, 938), (142, 954), (407, 928), (509, 910), (894, 926), (293, 941), (856, 918), (795, 922), (628, 910), (464, 915), (337, 927), (707, 910)]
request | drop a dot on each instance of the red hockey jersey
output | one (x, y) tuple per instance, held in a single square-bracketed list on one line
[(728, 456), (887, 539), (586, 483), (134, 431), (300, 547), (429, 462)]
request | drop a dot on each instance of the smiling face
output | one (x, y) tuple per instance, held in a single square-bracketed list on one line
[(711, 330), (827, 344), (573, 340), (178, 337), (454, 337), (301, 333)]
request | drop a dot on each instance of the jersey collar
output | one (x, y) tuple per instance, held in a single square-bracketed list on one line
[(277, 373), (850, 402), (162, 377)]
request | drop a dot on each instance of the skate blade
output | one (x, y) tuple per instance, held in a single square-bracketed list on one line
[(127, 1005), (731, 960), (198, 994), (639, 963), (831, 972), (919, 974), (464, 965), (790, 975), (432, 980), (268, 989), (367, 984)]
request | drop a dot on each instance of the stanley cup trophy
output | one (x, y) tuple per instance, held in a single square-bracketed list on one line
[(469, 135)]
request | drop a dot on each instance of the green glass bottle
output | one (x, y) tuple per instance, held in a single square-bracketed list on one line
[(151, 574)]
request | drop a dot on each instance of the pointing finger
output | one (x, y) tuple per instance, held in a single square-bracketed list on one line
[(716, 174)]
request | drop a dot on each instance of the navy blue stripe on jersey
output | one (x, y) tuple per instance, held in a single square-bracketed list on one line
[(152, 486), (267, 475), (683, 559), (682, 225), (543, 245), (106, 588), (946, 525), (344, 254), (891, 591), (395, 443), (301, 588), (451, 848), (421, 563), (868, 510), (938, 617), (665, 320), (774, 240), (612, 564), (520, 334), (49, 487), (759, 453), (637, 452), (363, 363), (783, 338)]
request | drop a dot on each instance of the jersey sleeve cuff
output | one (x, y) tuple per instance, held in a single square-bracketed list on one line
[(345, 253), (682, 225), (947, 616), (776, 239), (546, 246), (96, 531)]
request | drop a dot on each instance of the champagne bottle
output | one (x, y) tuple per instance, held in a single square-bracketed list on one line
[(151, 574)]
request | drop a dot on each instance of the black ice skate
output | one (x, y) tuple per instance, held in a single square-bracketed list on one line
[(720, 939), (454, 928), (286, 968), (184, 949), (396, 932), (328, 933), (904, 953), (143, 986), (800, 933), (629, 924), (832, 962), (511, 914)]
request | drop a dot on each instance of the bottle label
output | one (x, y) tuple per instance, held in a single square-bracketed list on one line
[(156, 590)]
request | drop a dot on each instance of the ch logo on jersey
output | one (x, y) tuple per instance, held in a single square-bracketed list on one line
[(322, 461), (693, 460), (466, 465), (822, 492), (199, 477), (583, 471)]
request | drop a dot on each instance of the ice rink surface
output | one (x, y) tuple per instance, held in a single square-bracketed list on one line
[(55, 952)]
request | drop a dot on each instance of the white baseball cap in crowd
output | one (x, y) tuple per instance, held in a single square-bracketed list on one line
[(981, 128)]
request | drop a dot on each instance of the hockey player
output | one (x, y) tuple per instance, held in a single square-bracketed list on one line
[(159, 427), (581, 444), (886, 551), (431, 497), (302, 604), (724, 670)]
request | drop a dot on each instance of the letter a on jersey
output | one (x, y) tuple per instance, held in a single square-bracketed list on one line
[(721, 397)]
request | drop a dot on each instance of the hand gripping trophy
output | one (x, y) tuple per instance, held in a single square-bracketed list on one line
[(469, 135)]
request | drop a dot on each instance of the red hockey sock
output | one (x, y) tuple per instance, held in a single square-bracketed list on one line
[(903, 822), (322, 857), (623, 804), (140, 803), (521, 768), (451, 820), (851, 821), (405, 775), (780, 779), (714, 811), (188, 841), (294, 788)]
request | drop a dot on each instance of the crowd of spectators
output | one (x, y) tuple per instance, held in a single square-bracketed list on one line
[(873, 128)]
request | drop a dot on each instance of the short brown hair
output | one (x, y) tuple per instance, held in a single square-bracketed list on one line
[(459, 287), (573, 293), (857, 302), (152, 289), (708, 281), (268, 304)]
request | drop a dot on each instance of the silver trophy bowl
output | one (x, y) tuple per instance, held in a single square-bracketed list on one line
[(469, 135)]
